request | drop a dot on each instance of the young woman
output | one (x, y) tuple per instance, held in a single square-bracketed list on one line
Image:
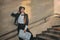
[(22, 19)]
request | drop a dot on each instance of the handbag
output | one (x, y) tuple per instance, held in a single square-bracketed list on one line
[(24, 35)]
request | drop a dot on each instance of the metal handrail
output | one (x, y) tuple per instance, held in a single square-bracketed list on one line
[(44, 18)]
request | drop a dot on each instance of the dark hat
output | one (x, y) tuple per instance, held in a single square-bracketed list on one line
[(21, 7)]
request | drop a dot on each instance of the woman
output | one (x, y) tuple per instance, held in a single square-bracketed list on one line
[(22, 19)]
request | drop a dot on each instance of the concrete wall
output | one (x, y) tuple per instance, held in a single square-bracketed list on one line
[(39, 9), (57, 6)]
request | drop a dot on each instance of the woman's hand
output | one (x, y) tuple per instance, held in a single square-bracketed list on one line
[(24, 30)]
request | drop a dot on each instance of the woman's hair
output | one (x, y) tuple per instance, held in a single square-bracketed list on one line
[(21, 8)]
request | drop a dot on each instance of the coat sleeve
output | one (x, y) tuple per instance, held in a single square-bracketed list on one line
[(13, 15), (16, 17), (27, 22), (27, 19)]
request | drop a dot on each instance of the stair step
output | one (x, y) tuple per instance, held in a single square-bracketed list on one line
[(57, 29), (50, 29), (35, 38), (56, 26), (55, 34), (44, 37), (52, 34), (54, 31)]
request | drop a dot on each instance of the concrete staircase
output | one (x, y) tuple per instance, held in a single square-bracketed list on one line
[(48, 32), (51, 34)]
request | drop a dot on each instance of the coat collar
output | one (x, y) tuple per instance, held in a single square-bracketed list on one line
[(24, 14), (20, 13)]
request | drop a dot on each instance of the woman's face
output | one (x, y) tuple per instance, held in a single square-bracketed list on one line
[(22, 10)]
